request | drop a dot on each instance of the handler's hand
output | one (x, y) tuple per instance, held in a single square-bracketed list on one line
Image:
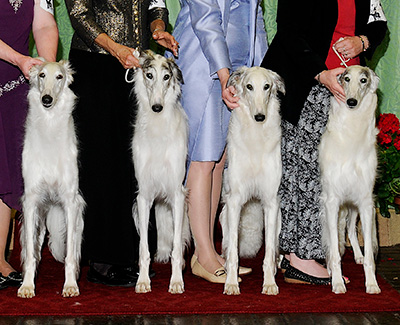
[(228, 94), (167, 40), (329, 79)]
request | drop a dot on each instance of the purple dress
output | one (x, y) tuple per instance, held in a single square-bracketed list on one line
[(15, 25)]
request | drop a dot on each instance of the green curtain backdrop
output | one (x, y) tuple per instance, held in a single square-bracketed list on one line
[(385, 61)]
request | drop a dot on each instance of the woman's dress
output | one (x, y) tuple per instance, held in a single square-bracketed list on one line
[(15, 25)]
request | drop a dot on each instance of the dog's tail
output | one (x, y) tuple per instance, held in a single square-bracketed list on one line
[(57, 233), (250, 229), (165, 232)]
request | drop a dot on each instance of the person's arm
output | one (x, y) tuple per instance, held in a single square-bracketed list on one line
[(45, 32)]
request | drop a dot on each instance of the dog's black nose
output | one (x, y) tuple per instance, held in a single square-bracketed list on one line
[(47, 100), (157, 108), (352, 102), (259, 117)]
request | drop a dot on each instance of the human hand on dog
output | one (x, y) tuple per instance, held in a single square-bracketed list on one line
[(26, 63), (228, 93), (329, 79), (350, 46)]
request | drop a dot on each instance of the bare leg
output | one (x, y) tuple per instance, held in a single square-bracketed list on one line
[(5, 217), (202, 208)]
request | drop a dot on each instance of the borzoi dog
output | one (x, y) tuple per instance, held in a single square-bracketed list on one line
[(159, 149), (254, 172), (348, 161), (49, 166)]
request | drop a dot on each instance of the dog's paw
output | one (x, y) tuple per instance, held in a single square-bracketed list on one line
[(176, 287), (26, 292), (359, 259), (231, 289), (70, 291), (270, 289), (339, 288), (373, 289), (142, 287)]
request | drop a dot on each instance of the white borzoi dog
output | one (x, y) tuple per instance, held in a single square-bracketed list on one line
[(254, 172), (49, 166), (159, 149), (348, 161)]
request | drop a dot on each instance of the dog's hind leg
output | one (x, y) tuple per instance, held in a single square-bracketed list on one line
[(176, 284), (352, 233), (271, 213), (29, 244), (74, 224), (344, 212), (233, 207), (367, 216), (143, 282), (164, 222), (333, 255)]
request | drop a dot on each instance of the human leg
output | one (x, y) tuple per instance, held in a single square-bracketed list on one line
[(5, 217), (200, 184)]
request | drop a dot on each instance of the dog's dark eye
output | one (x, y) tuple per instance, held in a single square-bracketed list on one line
[(363, 80), (166, 77), (42, 75), (266, 87), (249, 87), (59, 77), (149, 75), (347, 79)]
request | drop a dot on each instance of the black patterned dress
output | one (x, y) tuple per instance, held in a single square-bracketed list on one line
[(300, 187)]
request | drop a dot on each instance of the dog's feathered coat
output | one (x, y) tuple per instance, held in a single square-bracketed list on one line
[(49, 166), (159, 149), (348, 161), (254, 172)]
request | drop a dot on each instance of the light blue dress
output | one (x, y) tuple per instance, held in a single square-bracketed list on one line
[(214, 34)]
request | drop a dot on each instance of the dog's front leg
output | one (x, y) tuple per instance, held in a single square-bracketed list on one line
[(143, 282), (333, 255), (271, 216), (233, 206), (28, 239), (367, 216), (176, 284), (73, 210)]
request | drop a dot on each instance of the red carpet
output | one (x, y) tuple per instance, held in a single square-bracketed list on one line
[(200, 296)]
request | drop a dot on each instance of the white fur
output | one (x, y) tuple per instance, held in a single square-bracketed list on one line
[(159, 148), (49, 166), (348, 161), (254, 173)]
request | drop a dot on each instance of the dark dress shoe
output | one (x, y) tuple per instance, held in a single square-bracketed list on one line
[(14, 279), (284, 264), (293, 275), (116, 276), (3, 282)]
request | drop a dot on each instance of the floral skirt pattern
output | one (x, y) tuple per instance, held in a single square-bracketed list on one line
[(300, 187)]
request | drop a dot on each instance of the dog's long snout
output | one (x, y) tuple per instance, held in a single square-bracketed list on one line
[(47, 100), (352, 102), (259, 117), (157, 108)]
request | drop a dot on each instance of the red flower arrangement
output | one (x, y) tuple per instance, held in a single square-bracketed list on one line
[(387, 186)]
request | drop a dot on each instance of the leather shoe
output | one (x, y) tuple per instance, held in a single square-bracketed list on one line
[(14, 279), (284, 264), (116, 276), (3, 282)]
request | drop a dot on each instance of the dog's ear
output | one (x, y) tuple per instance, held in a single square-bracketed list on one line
[(144, 56), (69, 71), (278, 83), (374, 80), (175, 70), (236, 76)]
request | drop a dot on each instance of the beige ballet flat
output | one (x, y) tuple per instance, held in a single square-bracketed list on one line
[(245, 270), (219, 275)]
